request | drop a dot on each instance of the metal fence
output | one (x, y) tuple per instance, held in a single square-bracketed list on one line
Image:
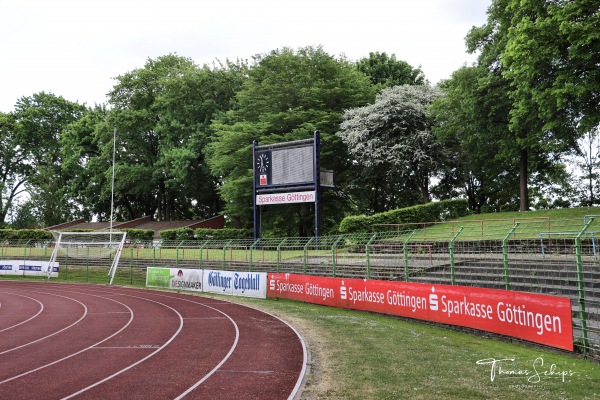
[(530, 255)]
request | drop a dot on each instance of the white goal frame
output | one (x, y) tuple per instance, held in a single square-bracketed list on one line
[(108, 244)]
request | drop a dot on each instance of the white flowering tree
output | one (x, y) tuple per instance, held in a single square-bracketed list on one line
[(393, 147)]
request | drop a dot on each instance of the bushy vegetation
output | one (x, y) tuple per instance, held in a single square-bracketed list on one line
[(226, 233), (142, 235), (205, 234), (430, 212), (25, 234)]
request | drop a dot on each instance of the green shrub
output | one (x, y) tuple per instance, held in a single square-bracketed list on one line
[(33, 234), (220, 234), (430, 212), (139, 235), (177, 234), (7, 234), (354, 224)]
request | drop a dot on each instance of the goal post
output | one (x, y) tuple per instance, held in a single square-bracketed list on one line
[(101, 250)]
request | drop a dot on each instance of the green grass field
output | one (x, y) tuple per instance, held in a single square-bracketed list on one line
[(356, 355)]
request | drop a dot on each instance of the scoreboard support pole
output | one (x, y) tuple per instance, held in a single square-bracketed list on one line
[(254, 205), (316, 180)]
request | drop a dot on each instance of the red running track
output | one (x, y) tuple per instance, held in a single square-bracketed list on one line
[(62, 341)]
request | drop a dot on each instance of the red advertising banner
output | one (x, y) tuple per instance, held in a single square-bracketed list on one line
[(534, 317)]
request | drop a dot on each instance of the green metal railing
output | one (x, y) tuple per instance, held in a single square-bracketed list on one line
[(540, 256)]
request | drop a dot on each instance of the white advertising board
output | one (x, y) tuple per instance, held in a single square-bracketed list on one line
[(28, 268), (247, 284)]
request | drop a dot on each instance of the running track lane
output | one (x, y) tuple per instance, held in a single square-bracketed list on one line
[(96, 342)]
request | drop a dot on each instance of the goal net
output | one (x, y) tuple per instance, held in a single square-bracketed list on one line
[(84, 250)]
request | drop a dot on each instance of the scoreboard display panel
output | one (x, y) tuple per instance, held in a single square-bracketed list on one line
[(284, 166)]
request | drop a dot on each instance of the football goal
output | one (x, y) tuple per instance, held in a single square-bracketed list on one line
[(85, 250)]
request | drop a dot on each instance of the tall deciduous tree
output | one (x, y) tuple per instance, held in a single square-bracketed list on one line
[(587, 159), (289, 95), (538, 140), (552, 55), (42, 120), (393, 141), (87, 161), (387, 71), (472, 120), (162, 114), (13, 169)]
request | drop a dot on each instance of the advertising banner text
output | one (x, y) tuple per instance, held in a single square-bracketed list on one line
[(537, 318)]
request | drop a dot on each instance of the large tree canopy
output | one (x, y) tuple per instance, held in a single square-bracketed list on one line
[(387, 71), (472, 121), (162, 115), (392, 140), (542, 130), (13, 168), (42, 120), (552, 56)]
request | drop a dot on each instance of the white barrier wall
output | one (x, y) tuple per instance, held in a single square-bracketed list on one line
[(28, 268), (247, 284)]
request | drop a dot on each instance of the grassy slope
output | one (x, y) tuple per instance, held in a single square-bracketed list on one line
[(567, 213)]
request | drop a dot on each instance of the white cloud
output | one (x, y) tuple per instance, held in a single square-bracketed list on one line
[(75, 48)]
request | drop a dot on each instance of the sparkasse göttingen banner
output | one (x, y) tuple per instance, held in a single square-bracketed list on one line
[(537, 318)]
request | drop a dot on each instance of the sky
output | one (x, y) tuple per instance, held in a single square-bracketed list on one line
[(75, 48)]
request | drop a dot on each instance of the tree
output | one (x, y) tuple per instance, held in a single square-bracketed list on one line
[(386, 71), (87, 161), (25, 216), (552, 56), (538, 143), (208, 92), (13, 169), (472, 122), (587, 159), (288, 95), (392, 140), (162, 114), (41, 121)]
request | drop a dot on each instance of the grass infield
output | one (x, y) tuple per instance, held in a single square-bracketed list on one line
[(357, 355)]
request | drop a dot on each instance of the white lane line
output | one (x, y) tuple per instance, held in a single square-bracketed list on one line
[(225, 358), (29, 319), (54, 333), (76, 353), (139, 361), (302, 375)]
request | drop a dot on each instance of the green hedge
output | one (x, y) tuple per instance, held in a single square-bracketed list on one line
[(430, 212), (140, 235), (177, 234), (205, 234), (25, 234), (225, 233), (7, 234)]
